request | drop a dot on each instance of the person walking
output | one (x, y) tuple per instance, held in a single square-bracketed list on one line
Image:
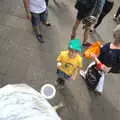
[(107, 62), (106, 9), (86, 9), (69, 62), (47, 1), (36, 10)]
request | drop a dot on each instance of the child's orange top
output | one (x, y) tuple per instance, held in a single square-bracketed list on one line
[(94, 48)]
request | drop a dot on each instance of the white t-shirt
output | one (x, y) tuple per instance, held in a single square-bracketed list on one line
[(37, 6)]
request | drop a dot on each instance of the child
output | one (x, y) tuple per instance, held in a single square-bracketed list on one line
[(69, 62), (107, 62)]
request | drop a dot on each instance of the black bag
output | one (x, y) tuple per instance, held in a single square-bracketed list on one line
[(92, 77), (88, 4)]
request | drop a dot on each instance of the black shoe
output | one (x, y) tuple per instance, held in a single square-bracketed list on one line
[(60, 81), (47, 24), (40, 38), (115, 18)]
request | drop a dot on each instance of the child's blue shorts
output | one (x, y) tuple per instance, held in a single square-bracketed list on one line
[(62, 74)]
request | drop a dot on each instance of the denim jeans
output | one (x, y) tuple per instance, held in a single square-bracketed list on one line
[(37, 18)]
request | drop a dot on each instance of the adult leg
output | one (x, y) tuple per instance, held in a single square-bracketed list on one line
[(118, 12), (35, 19), (75, 27), (106, 9), (86, 36), (99, 20), (44, 18), (82, 12), (47, 2), (86, 33)]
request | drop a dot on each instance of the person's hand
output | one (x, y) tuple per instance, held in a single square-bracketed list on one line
[(28, 16), (73, 77), (92, 55), (58, 65), (105, 68)]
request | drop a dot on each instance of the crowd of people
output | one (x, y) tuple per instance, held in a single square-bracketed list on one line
[(69, 62)]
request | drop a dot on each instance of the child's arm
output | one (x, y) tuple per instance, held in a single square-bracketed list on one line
[(74, 76), (80, 65)]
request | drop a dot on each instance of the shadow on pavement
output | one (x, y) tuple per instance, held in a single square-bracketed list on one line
[(100, 107), (71, 105), (63, 14)]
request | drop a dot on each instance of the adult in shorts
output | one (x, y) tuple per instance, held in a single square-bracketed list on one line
[(106, 9), (86, 8), (36, 10)]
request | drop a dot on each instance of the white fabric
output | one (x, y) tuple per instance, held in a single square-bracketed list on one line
[(37, 6), (100, 85), (21, 102), (90, 65)]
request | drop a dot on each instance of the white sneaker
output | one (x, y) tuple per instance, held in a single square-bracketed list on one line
[(92, 29), (82, 74), (114, 18), (98, 93)]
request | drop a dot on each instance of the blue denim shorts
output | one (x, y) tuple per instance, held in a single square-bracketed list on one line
[(37, 18), (62, 74)]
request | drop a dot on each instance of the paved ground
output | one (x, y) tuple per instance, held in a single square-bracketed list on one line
[(24, 60)]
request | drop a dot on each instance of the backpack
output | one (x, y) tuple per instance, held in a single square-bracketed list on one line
[(88, 4), (92, 77)]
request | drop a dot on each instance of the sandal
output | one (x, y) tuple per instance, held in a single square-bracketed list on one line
[(87, 44), (73, 36)]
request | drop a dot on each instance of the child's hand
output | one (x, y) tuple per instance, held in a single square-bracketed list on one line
[(92, 55), (73, 77), (59, 64)]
